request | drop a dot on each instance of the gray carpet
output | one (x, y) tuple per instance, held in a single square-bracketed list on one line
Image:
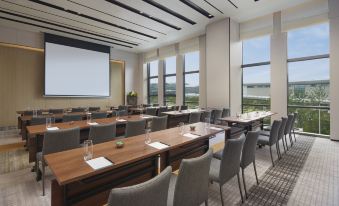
[(15, 160), (277, 183)]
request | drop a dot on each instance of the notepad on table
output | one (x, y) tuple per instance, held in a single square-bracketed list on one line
[(99, 163), (121, 120), (158, 145), (216, 128), (190, 135), (92, 123), (52, 128), (146, 117)]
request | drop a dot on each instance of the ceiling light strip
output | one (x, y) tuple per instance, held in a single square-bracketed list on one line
[(232, 3), (197, 8), (213, 6)]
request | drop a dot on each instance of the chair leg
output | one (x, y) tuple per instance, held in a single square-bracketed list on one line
[(222, 200), (242, 198), (255, 172), (243, 179), (294, 135), (271, 156), (291, 140), (286, 142), (282, 139), (43, 177), (278, 150), (206, 202)]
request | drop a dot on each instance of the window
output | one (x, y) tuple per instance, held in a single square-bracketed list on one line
[(191, 79), (256, 74), (170, 81), (308, 78), (152, 82)]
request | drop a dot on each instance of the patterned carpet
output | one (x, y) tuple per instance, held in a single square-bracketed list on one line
[(13, 160), (276, 185)]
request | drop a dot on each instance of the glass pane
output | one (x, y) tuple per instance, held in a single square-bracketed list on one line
[(309, 83), (256, 88), (308, 41), (153, 68), (153, 100), (256, 50), (170, 90), (170, 67), (192, 62), (192, 90), (153, 87)]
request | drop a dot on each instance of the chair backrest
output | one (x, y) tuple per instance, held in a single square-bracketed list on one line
[(120, 113), (56, 111), (204, 115), (71, 117), (159, 123), (151, 111), (194, 117), (183, 107), (38, 120), (102, 132), (161, 110), (191, 187), (225, 112), (61, 140), (216, 114), (78, 109), (153, 192), (282, 128), (30, 112), (176, 108), (230, 160), (122, 107), (134, 128), (248, 151), (274, 132), (155, 105), (99, 115), (289, 123), (93, 109)]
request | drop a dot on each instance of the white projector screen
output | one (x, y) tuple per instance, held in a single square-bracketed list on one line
[(71, 71)]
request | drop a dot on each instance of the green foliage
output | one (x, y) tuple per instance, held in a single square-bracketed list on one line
[(132, 94)]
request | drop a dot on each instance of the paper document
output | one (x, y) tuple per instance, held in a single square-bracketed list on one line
[(99, 163), (158, 145), (92, 123), (216, 128), (190, 135), (52, 128)]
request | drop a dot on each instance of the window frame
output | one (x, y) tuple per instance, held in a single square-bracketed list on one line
[(164, 78), (149, 83), (184, 78)]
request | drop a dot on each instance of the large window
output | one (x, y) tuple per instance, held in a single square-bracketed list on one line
[(191, 79), (152, 80), (308, 78), (170, 81), (256, 74)]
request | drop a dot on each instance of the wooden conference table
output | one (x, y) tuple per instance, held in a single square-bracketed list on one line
[(175, 117), (76, 183), (36, 132), (248, 119)]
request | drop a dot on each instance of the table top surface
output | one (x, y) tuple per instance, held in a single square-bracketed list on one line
[(182, 112), (248, 117), (60, 115), (69, 166), (41, 129)]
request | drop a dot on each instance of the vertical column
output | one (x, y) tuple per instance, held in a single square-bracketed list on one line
[(180, 80), (202, 72), (334, 67), (161, 82), (278, 68)]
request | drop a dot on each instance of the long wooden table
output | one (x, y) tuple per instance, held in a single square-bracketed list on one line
[(248, 119), (175, 117), (36, 132), (76, 183)]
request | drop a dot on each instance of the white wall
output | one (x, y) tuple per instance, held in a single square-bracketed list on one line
[(334, 67), (217, 64)]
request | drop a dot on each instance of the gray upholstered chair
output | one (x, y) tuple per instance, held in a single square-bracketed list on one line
[(99, 115), (94, 109), (190, 187), (194, 117), (248, 155), (288, 128), (134, 128), (225, 112), (30, 112), (37, 120), (272, 139), (155, 105), (56, 111), (153, 192), (102, 132), (151, 111), (56, 141), (216, 114), (121, 113), (183, 107), (78, 109), (122, 107), (71, 117), (161, 110), (204, 115), (159, 123), (229, 166)]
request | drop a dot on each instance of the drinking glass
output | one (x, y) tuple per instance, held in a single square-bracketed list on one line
[(89, 118), (118, 115), (88, 150), (147, 136), (48, 122), (35, 112), (182, 128), (207, 123)]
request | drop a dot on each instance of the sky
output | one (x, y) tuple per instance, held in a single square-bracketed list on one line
[(308, 41)]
